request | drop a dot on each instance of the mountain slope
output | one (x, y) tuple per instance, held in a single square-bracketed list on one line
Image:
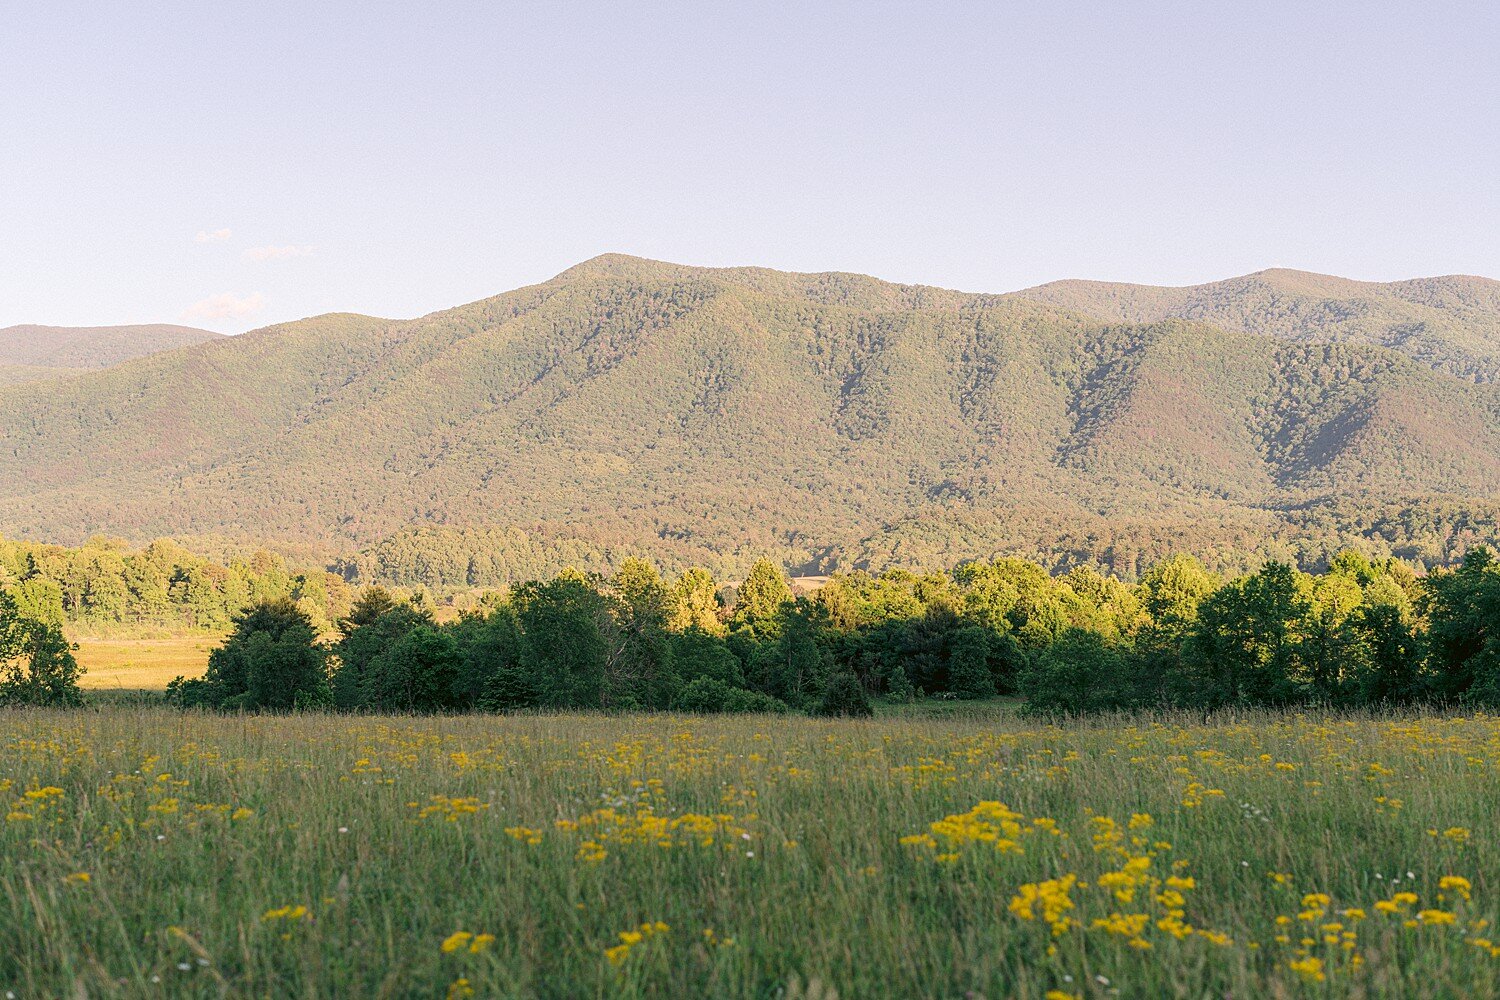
[(1451, 323), (70, 347), (706, 415)]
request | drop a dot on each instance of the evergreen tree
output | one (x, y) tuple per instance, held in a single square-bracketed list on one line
[(375, 623), (759, 600), (694, 603)]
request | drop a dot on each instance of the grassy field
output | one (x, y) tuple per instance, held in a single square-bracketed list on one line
[(142, 664), (149, 853)]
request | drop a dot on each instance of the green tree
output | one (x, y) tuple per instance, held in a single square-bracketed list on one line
[(1245, 646), (759, 600), (1331, 651), (1079, 673), (696, 654), (416, 673), (40, 599), (969, 674), (271, 659), (794, 666), (36, 662), (640, 670), (1015, 596), (1462, 607), (1170, 593), (375, 623), (1392, 655), (694, 603), (487, 644), (563, 626)]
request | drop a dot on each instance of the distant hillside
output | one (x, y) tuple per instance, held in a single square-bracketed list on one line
[(1451, 323), (16, 374), (709, 415), (53, 350)]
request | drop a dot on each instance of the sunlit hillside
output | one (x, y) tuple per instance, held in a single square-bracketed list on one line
[(702, 416)]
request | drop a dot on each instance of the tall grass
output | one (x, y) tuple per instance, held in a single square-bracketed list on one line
[(160, 853)]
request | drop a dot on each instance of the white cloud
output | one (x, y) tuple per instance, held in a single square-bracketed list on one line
[(225, 306), (277, 253), (217, 236)]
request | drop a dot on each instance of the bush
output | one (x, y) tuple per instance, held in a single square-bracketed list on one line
[(704, 694), (845, 698), (190, 693), (711, 696), (1078, 673), (756, 702)]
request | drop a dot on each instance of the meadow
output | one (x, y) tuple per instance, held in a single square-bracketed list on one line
[(142, 664), (149, 852)]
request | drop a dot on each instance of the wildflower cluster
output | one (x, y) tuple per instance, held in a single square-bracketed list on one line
[(448, 808), (601, 829), (993, 825), (618, 954)]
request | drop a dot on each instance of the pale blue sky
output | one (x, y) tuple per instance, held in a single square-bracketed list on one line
[(233, 165)]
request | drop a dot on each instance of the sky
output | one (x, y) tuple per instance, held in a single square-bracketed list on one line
[(233, 165)]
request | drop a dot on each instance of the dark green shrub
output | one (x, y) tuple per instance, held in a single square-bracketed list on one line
[(704, 694), (710, 695), (844, 697), (754, 702), (1078, 673)]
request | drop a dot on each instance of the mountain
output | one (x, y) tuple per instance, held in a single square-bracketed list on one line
[(1451, 323), (710, 415), (29, 353)]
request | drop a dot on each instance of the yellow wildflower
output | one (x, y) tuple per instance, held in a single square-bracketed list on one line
[(455, 941)]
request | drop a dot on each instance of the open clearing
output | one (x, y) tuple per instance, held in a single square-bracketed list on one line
[(142, 664), (148, 852)]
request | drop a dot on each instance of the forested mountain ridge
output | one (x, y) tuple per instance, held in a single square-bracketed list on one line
[(708, 415), (30, 352), (1451, 322)]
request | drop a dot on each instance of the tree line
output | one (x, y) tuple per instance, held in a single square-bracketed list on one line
[(1364, 632), (105, 583)]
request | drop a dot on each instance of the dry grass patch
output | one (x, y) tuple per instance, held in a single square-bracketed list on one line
[(142, 664)]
